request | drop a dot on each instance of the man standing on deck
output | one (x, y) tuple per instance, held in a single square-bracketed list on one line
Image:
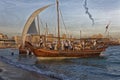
[(83, 45), (94, 44), (66, 45), (41, 43)]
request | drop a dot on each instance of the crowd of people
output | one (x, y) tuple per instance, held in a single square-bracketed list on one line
[(70, 45)]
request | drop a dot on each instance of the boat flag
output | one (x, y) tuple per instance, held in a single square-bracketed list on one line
[(107, 27)]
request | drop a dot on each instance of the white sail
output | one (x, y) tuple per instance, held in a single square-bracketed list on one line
[(30, 21)]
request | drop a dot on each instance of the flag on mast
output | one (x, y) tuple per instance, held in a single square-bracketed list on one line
[(107, 27)]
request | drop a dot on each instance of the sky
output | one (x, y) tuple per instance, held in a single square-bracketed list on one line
[(14, 14)]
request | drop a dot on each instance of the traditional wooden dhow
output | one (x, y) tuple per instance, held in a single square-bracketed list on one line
[(62, 49)]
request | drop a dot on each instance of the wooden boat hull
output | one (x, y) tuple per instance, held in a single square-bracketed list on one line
[(22, 51), (44, 53), (48, 54)]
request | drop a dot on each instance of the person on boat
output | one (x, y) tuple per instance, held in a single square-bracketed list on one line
[(76, 48), (66, 45), (41, 43), (94, 44), (50, 45), (70, 44), (28, 51), (88, 45), (62, 45), (55, 45), (83, 45), (80, 46)]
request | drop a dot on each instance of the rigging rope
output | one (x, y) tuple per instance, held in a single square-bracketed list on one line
[(63, 21)]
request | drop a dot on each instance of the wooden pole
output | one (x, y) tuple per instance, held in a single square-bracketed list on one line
[(58, 24), (80, 33), (38, 24)]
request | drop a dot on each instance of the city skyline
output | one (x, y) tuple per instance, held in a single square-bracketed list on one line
[(14, 14)]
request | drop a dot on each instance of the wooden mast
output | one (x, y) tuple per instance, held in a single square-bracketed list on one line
[(38, 27), (80, 34), (58, 24), (46, 33), (38, 24)]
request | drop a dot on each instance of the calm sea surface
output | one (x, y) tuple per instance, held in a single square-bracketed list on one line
[(106, 67)]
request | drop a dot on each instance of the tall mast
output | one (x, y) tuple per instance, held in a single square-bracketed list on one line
[(38, 24), (58, 24), (80, 34), (46, 33)]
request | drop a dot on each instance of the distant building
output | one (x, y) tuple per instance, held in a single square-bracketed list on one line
[(5, 42), (2, 36), (18, 40), (97, 36), (1, 42), (5, 37)]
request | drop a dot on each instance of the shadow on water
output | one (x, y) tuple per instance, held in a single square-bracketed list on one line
[(81, 68), (1, 78), (1, 70), (98, 62)]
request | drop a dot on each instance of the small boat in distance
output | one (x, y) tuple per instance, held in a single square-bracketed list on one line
[(74, 50)]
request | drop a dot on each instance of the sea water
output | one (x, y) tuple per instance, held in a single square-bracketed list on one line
[(105, 67)]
